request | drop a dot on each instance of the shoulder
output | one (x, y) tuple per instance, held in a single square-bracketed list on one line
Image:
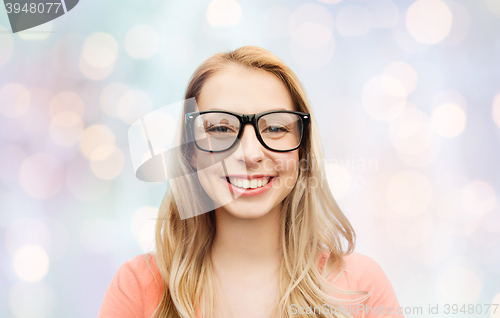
[(139, 271), (363, 273), (130, 292), (142, 266), (366, 274), (363, 268), (357, 265)]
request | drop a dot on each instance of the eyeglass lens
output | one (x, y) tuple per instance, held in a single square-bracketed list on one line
[(218, 131)]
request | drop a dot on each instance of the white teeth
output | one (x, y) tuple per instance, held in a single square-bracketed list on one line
[(253, 184), (245, 184)]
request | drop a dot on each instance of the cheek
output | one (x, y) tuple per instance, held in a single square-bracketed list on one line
[(207, 171), (287, 168), (287, 163)]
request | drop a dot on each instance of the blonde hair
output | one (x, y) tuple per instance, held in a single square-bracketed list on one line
[(312, 223)]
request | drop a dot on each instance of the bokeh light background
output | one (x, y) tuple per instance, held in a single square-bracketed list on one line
[(406, 95)]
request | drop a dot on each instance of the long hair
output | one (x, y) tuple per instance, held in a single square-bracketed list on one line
[(313, 233)]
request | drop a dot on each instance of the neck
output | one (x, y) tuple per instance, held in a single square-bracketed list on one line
[(247, 244)]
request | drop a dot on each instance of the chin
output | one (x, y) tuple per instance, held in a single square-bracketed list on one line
[(247, 214), (247, 210)]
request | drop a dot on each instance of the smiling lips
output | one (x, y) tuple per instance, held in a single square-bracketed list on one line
[(249, 185), (246, 182)]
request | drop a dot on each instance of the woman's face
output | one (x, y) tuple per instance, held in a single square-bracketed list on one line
[(246, 91)]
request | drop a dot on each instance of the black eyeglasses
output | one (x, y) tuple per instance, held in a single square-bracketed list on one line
[(218, 130)]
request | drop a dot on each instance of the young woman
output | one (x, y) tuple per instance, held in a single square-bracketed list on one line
[(272, 245)]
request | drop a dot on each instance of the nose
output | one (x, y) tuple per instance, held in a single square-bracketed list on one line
[(251, 150)]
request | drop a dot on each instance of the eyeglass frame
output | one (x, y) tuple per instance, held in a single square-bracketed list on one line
[(245, 119)]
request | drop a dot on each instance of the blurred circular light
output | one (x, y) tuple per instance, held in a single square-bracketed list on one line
[(107, 162), (404, 40), (14, 100), (461, 23), (458, 285), (404, 73), (383, 97), (409, 193), (410, 132), (224, 13), (353, 20), (448, 120), (142, 42), (478, 198), (429, 21), (66, 102), (449, 97), (110, 96), (41, 175), (99, 54), (6, 45), (95, 136), (315, 22), (312, 58), (311, 13), (94, 73), (453, 214), (312, 36), (143, 224), (133, 105), (83, 184), (100, 50), (66, 128), (31, 263)]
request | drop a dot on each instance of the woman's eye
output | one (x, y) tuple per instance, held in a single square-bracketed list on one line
[(219, 129), (276, 129)]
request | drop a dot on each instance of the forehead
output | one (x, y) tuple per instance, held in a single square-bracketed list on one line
[(244, 90)]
